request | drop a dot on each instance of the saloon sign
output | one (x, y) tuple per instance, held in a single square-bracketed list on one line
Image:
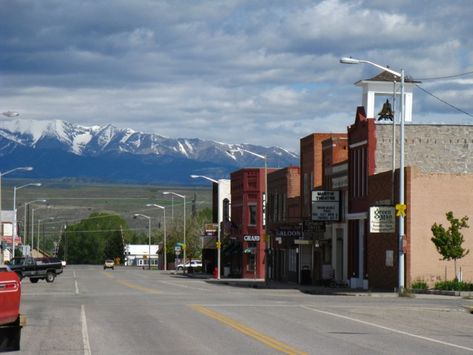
[(289, 233), (325, 205)]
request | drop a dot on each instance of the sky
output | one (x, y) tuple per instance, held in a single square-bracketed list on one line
[(261, 72)]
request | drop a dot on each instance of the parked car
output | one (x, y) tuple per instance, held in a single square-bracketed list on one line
[(194, 264), (10, 320), (36, 268), (109, 264)]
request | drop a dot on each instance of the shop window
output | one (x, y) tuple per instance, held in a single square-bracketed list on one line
[(226, 209), (251, 262), (252, 215), (251, 256)]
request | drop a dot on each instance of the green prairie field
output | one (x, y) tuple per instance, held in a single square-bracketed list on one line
[(70, 201)]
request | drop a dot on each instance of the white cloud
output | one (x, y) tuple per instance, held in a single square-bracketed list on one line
[(226, 71)]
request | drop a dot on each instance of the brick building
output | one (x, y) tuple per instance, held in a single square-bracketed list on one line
[(438, 179), (247, 210), (315, 252), (284, 227), (335, 178)]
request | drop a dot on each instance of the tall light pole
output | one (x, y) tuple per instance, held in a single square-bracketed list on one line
[(401, 205), (23, 168), (14, 214), (136, 215), (184, 233), (165, 236), (32, 226), (39, 223), (219, 217), (24, 221)]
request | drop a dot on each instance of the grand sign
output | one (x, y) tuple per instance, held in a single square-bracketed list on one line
[(251, 238)]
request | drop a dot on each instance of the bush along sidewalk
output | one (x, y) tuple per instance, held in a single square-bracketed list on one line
[(454, 285)]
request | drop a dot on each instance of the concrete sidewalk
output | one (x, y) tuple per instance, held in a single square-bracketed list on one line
[(274, 285), (322, 290)]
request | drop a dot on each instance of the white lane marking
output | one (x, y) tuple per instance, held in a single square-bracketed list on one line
[(75, 283), (389, 329), (85, 334)]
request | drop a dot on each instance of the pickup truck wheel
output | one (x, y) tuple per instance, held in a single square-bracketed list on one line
[(20, 276), (33, 281), (50, 276)]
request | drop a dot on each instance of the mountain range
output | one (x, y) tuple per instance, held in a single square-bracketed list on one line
[(60, 149)]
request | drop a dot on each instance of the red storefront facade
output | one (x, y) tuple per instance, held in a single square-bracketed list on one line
[(248, 218)]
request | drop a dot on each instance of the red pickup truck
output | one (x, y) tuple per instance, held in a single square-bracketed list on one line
[(10, 320)]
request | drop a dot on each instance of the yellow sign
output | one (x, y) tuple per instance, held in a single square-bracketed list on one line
[(183, 246), (218, 245), (401, 210)]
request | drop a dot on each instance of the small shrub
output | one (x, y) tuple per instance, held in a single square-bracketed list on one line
[(454, 286), (419, 285)]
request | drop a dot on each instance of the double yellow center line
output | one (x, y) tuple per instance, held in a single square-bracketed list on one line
[(134, 286), (267, 340)]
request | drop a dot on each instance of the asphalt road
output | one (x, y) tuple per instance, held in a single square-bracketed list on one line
[(131, 311)]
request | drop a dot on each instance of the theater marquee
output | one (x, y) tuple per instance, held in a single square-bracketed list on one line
[(325, 205)]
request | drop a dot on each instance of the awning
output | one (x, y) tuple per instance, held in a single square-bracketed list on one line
[(230, 249)]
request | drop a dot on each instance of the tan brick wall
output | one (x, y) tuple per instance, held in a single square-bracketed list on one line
[(431, 197)]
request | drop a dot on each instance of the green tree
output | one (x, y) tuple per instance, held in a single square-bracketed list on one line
[(195, 231), (449, 241), (114, 247), (93, 239)]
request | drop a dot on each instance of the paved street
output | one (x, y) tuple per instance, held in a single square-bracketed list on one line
[(131, 311)]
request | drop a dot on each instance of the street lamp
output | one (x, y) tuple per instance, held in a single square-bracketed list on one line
[(14, 213), (32, 226), (24, 220), (39, 229), (136, 215), (219, 217), (184, 238), (165, 236), (23, 168), (349, 60)]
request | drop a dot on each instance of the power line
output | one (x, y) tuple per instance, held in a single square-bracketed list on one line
[(443, 101), (446, 77)]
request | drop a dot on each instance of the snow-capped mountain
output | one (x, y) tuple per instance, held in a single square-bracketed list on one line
[(62, 149)]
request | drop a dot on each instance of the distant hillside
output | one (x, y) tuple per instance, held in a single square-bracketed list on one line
[(58, 149)]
